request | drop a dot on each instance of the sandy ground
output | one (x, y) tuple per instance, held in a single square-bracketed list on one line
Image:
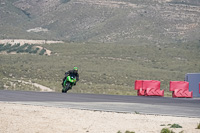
[(17, 118)]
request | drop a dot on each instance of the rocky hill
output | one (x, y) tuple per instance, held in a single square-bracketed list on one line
[(107, 21)]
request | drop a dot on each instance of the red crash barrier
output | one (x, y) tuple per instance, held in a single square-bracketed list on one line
[(152, 88), (180, 89), (148, 88), (139, 88)]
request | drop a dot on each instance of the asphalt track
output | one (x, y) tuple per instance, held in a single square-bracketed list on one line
[(186, 107)]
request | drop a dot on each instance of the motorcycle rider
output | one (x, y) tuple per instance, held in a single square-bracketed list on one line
[(70, 73)]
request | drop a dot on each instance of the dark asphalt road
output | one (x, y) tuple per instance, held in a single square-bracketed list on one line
[(145, 105)]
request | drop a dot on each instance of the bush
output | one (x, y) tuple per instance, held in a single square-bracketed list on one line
[(21, 49), (125, 132), (198, 126), (129, 132), (1, 45), (35, 51), (166, 130), (42, 51), (5, 47), (176, 126), (13, 48), (29, 49)]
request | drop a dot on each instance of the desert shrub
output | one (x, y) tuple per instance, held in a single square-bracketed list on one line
[(198, 126), (21, 49), (29, 49), (126, 132), (129, 132), (35, 51), (1, 44), (5, 47), (42, 51), (13, 48), (166, 130), (176, 126), (137, 112), (1, 47)]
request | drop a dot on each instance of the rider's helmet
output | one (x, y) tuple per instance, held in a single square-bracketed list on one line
[(76, 69)]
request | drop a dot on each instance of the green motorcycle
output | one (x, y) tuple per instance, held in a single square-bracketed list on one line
[(68, 83)]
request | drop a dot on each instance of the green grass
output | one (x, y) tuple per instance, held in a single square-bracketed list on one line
[(103, 68)]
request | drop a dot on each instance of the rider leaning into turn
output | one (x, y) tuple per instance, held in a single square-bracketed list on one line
[(73, 72)]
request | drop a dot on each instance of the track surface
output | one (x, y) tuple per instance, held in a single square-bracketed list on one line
[(116, 103)]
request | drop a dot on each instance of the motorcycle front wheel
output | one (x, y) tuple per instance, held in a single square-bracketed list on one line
[(66, 88)]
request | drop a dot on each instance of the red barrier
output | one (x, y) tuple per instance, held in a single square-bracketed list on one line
[(138, 87), (138, 84), (182, 93), (148, 88), (180, 89), (152, 88), (179, 85)]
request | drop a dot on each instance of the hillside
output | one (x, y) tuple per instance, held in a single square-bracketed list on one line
[(112, 42), (105, 21)]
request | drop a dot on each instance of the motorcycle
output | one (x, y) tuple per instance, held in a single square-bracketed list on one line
[(68, 83)]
